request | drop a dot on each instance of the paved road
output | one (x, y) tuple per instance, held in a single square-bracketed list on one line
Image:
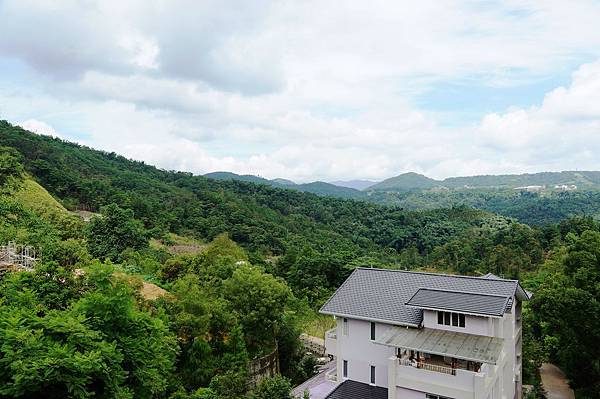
[(555, 383), (318, 386)]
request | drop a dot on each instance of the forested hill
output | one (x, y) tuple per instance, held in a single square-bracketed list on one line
[(554, 197), (264, 219), (414, 181), (317, 187)]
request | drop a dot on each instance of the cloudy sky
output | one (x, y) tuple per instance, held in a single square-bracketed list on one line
[(311, 90)]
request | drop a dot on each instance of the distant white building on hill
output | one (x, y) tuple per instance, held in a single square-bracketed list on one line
[(530, 188), (565, 187), (418, 335)]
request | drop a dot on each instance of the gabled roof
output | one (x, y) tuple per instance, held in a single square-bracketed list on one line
[(381, 295), (357, 390), (462, 302)]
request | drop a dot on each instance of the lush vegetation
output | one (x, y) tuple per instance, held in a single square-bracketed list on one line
[(264, 259), (532, 208), (415, 181), (317, 187), (412, 191)]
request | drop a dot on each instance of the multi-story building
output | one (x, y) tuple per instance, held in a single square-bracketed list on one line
[(419, 335)]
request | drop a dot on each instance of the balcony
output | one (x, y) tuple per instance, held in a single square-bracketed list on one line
[(331, 342), (428, 366), (433, 377)]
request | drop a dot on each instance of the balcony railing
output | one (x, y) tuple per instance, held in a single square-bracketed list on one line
[(332, 334), (427, 366)]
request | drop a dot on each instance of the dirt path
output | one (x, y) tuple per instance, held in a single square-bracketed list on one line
[(555, 383)]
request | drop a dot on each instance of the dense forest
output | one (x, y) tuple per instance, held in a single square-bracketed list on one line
[(532, 208), (497, 194), (263, 259)]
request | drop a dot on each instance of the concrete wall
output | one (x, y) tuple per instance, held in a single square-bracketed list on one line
[(403, 393), (361, 353), (473, 324)]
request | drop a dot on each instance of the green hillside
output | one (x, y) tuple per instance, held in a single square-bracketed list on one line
[(318, 187), (583, 179), (245, 178), (327, 189), (414, 181), (405, 182), (262, 218)]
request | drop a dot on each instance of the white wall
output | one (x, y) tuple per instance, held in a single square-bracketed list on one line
[(473, 324), (403, 393), (361, 353)]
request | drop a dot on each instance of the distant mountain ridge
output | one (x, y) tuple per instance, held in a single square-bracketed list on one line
[(406, 181), (317, 187), (413, 181), (355, 184)]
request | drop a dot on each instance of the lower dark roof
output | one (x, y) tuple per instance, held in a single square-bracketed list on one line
[(357, 390)]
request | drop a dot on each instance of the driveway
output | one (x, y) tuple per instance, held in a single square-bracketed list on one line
[(555, 382), (318, 386)]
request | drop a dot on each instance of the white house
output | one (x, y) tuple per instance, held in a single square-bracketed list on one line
[(420, 335)]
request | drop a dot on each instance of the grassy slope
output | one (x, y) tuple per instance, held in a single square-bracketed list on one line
[(35, 198)]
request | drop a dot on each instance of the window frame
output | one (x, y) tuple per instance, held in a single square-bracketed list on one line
[(344, 368), (373, 331), (451, 319), (372, 375)]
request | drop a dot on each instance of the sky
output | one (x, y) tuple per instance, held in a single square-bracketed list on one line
[(311, 90)]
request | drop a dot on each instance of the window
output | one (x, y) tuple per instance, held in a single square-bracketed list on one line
[(372, 375), (451, 319), (345, 328), (372, 331), (345, 374)]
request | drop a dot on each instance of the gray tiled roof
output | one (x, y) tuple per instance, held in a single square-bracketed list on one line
[(357, 390), (467, 302), (381, 295)]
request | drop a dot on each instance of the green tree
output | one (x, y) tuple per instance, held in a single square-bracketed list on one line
[(10, 165), (57, 355), (259, 300), (148, 348), (114, 231), (277, 387), (567, 314)]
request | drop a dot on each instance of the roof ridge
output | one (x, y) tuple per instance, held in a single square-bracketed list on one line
[(480, 278), (460, 292)]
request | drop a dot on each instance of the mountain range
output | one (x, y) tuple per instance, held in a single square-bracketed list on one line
[(417, 182), (316, 187)]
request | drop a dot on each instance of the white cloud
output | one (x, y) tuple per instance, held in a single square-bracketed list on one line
[(39, 127), (310, 90)]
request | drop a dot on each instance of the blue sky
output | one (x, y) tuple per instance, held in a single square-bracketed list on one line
[(313, 90)]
